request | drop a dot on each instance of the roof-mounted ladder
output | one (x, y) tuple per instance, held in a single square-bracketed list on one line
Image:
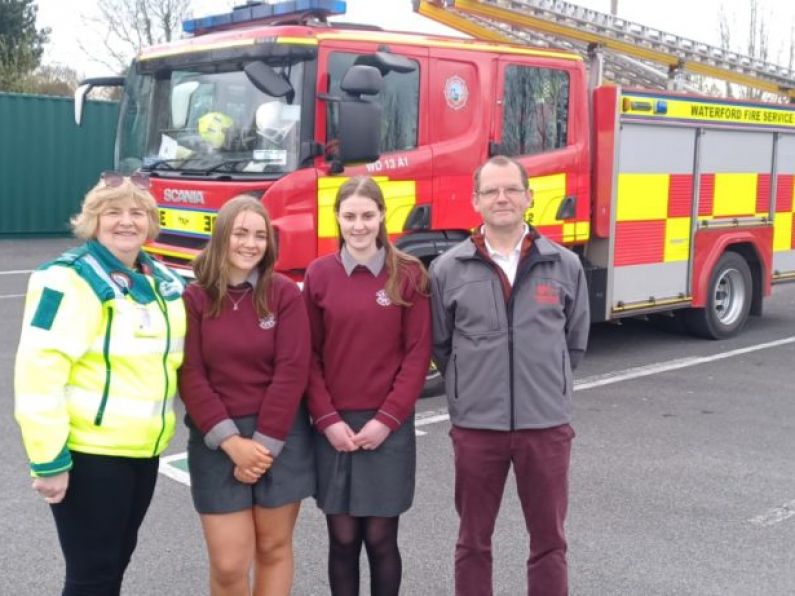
[(628, 48)]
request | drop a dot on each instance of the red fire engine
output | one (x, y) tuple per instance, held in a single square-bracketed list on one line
[(676, 202)]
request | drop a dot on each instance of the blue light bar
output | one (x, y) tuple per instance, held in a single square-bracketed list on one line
[(260, 12)]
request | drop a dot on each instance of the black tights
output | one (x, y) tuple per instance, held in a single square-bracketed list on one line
[(379, 534)]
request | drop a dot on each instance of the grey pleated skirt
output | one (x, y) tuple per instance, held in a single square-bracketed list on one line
[(291, 478), (367, 483)]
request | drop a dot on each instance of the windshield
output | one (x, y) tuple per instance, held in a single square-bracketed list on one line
[(206, 119)]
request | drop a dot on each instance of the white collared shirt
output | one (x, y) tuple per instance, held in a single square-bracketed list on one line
[(510, 262), (374, 264)]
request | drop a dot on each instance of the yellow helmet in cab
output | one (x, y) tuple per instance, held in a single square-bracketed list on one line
[(213, 127)]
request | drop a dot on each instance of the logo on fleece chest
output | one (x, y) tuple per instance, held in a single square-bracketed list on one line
[(546, 294)]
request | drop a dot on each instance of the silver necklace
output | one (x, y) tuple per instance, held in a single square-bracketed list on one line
[(236, 303)]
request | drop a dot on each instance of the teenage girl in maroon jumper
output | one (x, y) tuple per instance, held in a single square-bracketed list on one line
[(246, 365), (371, 340)]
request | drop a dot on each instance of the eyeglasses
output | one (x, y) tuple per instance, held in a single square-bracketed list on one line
[(115, 179), (511, 192)]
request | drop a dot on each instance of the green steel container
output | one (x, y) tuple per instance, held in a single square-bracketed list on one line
[(47, 163)]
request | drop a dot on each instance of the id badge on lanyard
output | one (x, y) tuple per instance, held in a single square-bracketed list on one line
[(145, 325)]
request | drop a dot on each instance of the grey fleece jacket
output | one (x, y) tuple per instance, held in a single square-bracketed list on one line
[(509, 366)]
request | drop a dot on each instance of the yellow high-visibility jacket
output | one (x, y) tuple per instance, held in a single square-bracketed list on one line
[(97, 359)]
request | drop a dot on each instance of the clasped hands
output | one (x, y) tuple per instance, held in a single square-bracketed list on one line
[(342, 437), (251, 459)]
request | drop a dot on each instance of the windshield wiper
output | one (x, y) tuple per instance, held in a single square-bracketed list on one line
[(227, 165), (157, 164), (230, 164)]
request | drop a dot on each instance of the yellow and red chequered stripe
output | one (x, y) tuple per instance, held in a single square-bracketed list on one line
[(547, 194), (748, 195), (653, 213), (400, 197), (784, 223), (652, 219)]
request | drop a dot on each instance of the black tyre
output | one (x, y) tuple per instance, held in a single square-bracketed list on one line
[(730, 292), (434, 383)]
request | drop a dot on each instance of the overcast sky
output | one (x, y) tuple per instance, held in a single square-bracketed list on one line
[(696, 19)]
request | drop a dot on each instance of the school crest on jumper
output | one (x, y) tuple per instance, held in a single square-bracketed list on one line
[(268, 322), (382, 298)]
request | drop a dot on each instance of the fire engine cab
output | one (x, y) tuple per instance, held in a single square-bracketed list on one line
[(676, 202)]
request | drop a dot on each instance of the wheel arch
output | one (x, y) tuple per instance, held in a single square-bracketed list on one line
[(750, 244), (748, 252), (426, 246)]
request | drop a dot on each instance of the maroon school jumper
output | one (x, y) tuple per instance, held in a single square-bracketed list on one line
[(237, 364), (367, 353)]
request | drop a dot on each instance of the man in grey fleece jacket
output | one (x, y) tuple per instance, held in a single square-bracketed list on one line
[(510, 322)]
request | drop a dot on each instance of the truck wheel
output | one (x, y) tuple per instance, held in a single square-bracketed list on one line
[(728, 300), (434, 383)]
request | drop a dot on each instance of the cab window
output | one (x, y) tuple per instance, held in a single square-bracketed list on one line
[(399, 99), (535, 114)]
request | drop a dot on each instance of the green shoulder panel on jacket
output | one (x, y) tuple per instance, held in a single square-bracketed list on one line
[(79, 259), (47, 309)]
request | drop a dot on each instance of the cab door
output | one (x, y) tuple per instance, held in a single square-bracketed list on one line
[(403, 170), (541, 120)]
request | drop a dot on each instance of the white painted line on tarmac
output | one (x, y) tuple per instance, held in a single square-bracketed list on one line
[(440, 415), (661, 367), (775, 516), (12, 296), (16, 272), (178, 473), (172, 471), (433, 418), (638, 372)]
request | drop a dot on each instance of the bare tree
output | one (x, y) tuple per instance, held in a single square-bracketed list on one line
[(724, 30), (756, 45), (53, 79), (127, 26)]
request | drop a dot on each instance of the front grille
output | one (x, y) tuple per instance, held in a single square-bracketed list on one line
[(181, 241)]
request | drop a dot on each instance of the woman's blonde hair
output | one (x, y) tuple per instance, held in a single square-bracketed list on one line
[(86, 223), (398, 263), (212, 265)]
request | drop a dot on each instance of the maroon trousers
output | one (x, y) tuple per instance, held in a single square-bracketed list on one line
[(540, 461)]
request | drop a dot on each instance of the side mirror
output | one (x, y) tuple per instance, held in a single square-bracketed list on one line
[(362, 80), (359, 119), (385, 61), (87, 85), (264, 78), (360, 131)]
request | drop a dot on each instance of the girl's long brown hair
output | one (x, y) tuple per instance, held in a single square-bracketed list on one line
[(399, 265), (211, 267)]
